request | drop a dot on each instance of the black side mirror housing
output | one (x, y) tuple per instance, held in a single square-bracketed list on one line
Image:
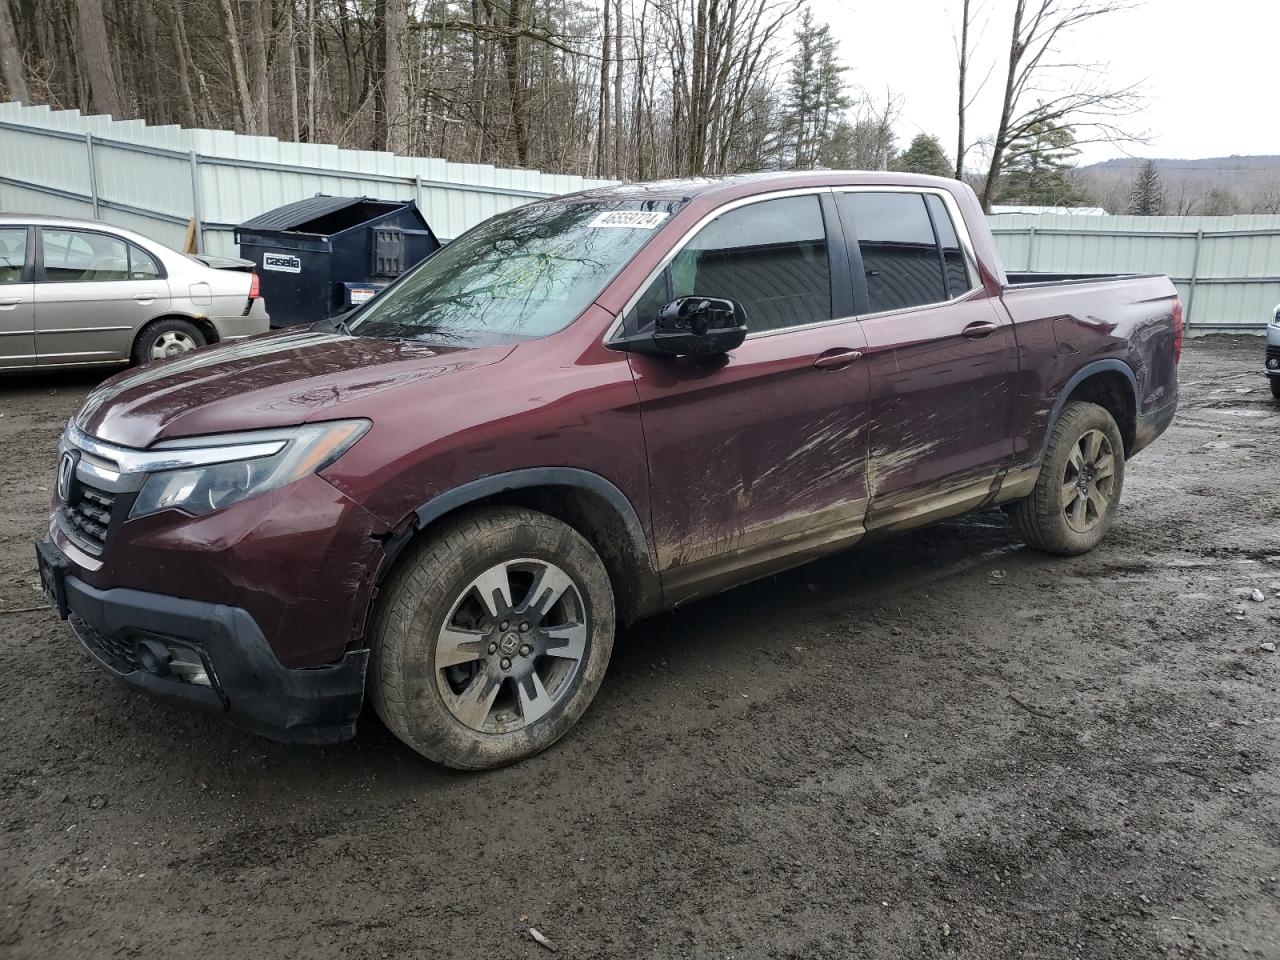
[(692, 326)]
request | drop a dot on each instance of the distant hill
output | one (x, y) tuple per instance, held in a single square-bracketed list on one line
[(1254, 182)]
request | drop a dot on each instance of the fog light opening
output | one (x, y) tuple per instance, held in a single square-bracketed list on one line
[(153, 657), (175, 661), (187, 665)]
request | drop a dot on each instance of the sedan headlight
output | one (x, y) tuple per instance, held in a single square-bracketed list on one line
[(232, 468)]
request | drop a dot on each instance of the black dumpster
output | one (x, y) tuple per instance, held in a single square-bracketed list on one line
[(323, 255)]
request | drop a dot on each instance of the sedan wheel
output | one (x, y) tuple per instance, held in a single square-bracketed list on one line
[(171, 343)]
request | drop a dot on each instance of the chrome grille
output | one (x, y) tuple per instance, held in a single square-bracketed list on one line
[(87, 518)]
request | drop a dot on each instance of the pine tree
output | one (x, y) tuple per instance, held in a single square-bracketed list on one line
[(1147, 197), (1037, 168), (815, 99), (925, 156)]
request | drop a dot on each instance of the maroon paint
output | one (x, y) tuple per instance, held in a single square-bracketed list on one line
[(735, 465)]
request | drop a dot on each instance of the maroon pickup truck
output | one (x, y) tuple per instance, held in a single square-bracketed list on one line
[(582, 411)]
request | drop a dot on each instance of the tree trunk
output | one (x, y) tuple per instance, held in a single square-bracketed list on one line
[(290, 41), (1006, 113), (603, 140), (311, 71), (95, 51), (618, 129), (235, 63), (15, 80), (182, 53), (515, 83), (390, 109), (258, 26), (963, 76)]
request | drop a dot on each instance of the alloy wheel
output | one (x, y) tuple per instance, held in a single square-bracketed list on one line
[(1089, 481), (512, 646)]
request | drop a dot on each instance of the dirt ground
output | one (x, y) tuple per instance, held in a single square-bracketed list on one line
[(941, 746)]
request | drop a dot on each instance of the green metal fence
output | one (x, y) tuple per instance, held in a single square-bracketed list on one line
[(1227, 269)]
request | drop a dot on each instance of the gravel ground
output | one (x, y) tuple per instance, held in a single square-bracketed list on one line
[(940, 746)]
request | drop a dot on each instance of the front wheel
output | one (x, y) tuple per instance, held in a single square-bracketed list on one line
[(492, 638), (1275, 387), (1075, 498)]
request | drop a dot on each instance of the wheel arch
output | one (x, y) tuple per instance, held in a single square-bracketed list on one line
[(586, 501), (1112, 385)]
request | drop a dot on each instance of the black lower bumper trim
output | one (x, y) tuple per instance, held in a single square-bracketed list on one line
[(248, 685)]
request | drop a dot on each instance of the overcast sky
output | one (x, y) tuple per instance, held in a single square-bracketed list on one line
[(1210, 68)]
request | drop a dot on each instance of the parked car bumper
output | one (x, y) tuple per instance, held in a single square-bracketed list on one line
[(1272, 362), (206, 656), (251, 324)]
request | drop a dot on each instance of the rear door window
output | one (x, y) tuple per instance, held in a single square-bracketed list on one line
[(770, 256), (81, 256), (900, 253), (142, 266), (13, 254)]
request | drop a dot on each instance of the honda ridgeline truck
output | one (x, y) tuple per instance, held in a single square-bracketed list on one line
[(584, 411)]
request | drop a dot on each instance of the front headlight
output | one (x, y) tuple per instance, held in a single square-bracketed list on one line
[(252, 464)]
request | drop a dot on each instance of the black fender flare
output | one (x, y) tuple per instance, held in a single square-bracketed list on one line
[(646, 590), (1084, 373)]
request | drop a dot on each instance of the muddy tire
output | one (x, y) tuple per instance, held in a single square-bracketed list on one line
[(166, 337), (491, 638), (1075, 497)]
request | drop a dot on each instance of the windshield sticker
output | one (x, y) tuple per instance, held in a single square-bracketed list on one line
[(635, 219)]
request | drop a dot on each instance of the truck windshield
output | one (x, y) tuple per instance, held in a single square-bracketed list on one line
[(524, 273)]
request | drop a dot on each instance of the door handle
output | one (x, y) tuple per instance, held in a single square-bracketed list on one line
[(9, 303), (837, 358), (980, 329), (144, 297)]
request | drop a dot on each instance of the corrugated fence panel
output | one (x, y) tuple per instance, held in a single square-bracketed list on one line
[(143, 176), (1226, 269), (156, 179)]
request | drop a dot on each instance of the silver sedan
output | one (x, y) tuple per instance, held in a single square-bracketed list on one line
[(81, 293)]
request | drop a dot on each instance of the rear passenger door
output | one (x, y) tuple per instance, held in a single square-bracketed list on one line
[(941, 359), (756, 458), (17, 299), (93, 291)]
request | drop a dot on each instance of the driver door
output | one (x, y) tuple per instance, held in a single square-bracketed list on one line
[(757, 458)]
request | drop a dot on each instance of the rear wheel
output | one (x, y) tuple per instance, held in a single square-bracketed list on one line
[(1075, 498), (166, 337), (492, 638)]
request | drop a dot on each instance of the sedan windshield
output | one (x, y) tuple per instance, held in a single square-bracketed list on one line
[(524, 273)]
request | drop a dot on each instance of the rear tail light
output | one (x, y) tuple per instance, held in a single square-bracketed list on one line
[(254, 291), (1177, 330)]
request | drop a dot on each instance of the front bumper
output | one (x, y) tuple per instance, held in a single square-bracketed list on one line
[(1272, 362), (242, 678)]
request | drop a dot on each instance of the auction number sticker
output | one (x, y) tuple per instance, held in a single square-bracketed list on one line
[(281, 262), (635, 219)]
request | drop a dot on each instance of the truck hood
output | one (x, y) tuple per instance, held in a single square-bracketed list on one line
[(275, 380)]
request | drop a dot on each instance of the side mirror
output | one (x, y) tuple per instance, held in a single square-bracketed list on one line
[(692, 326)]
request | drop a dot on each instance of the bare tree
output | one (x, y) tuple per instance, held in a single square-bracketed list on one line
[(1078, 99), (95, 50), (15, 80), (235, 62), (962, 77)]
